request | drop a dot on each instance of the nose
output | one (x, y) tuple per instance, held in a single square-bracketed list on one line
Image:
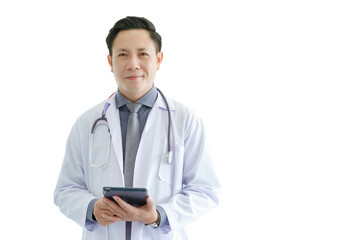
[(133, 63)]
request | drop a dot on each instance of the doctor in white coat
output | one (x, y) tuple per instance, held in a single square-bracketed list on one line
[(181, 189)]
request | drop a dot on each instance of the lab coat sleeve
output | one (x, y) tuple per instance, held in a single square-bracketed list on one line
[(71, 194), (200, 186)]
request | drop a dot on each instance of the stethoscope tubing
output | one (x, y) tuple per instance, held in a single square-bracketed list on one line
[(103, 118), (169, 154)]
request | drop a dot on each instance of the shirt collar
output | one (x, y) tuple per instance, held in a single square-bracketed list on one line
[(148, 99)]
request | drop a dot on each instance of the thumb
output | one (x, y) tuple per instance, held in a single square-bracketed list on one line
[(149, 201)]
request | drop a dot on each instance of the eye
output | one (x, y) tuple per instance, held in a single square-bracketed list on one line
[(122, 55), (143, 54)]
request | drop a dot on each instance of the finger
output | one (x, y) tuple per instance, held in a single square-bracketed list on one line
[(102, 204), (129, 212), (114, 208), (103, 219), (108, 212), (105, 223), (124, 205), (109, 203), (150, 204), (149, 201), (111, 218)]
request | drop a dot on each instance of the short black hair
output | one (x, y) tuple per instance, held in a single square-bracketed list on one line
[(133, 23)]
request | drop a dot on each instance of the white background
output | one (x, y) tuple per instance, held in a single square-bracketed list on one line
[(276, 83)]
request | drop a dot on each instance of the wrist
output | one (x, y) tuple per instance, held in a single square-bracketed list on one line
[(156, 223)]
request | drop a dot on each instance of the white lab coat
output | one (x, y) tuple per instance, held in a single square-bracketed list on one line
[(185, 188)]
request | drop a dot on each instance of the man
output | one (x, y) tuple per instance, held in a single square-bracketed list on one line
[(181, 187)]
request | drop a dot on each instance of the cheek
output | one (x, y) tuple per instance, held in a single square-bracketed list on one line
[(153, 68), (117, 69), (151, 73)]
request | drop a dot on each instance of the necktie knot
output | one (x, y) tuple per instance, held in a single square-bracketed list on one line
[(133, 107)]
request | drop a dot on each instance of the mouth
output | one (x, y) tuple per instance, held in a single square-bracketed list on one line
[(134, 77)]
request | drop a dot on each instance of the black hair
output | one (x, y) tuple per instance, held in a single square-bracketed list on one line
[(133, 23)]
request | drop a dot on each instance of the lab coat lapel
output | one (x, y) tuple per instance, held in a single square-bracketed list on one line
[(144, 153), (154, 113), (113, 118), (150, 137), (152, 117)]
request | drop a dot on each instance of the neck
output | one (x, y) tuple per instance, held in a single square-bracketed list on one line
[(134, 97)]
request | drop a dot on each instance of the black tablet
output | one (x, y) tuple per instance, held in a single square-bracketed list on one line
[(134, 196)]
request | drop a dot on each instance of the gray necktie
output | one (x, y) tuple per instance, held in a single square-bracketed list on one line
[(132, 143)]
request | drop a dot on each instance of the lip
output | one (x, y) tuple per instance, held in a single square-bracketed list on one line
[(133, 78)]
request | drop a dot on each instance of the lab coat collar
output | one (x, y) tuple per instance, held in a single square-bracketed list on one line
[(148, 99), (160, 102)]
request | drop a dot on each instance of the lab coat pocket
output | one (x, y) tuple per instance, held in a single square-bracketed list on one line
[(166, 170), (170, 170)]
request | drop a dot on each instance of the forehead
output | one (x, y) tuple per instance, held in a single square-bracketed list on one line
[(133, 39)]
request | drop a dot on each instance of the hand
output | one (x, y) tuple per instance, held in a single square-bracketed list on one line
[(123, 211), (100, 211)]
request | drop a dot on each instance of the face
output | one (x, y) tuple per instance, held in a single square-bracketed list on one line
[(134, 62)]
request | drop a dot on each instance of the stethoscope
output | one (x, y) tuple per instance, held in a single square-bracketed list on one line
[(103, 119)]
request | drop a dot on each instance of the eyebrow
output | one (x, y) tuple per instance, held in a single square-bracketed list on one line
[(125, 50)]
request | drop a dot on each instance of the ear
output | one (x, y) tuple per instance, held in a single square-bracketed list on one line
[(110, 62), (159, 58)]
